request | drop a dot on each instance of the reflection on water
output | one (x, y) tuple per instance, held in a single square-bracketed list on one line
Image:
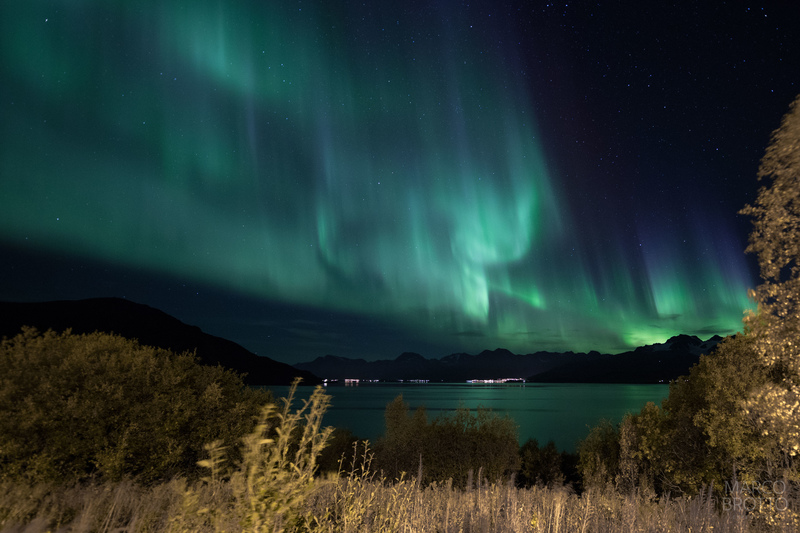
[(561, 412)]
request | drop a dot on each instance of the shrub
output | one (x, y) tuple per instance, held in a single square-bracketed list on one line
[(74, 406), (340, 450), (460, 446), (268, 489), (598, 455), (540, 466)]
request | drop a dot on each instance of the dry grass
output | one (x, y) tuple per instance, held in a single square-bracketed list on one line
[(361, 502)]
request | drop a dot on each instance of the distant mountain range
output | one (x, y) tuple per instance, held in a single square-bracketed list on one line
[(656, 363), (152, 328)]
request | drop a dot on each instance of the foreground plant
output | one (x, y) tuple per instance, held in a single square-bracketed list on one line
[(775, 240), (75, 407), (268, 490)]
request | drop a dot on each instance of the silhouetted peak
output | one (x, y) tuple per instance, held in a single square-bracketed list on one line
[(688, 340), (410, 357)]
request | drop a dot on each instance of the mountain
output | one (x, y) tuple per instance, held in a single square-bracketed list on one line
[(152, 328), (657, 363), (489, 364)]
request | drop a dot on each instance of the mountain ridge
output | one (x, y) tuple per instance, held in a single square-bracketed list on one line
[(655, 363), (151, 327)]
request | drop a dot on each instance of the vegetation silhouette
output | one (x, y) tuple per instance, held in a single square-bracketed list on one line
[(460, 447), (100, 405)]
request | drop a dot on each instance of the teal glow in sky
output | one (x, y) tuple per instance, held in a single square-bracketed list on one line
[(454, 172)]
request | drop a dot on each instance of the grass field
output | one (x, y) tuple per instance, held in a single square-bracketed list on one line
[(361, 503)]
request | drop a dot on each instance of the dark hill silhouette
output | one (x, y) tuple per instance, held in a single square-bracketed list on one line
[(489, 364), (657, 363), (152, 328)]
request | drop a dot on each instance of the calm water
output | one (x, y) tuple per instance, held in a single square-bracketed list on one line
[(559, 412)]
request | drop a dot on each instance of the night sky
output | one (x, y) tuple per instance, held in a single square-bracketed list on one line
[(368, 178)]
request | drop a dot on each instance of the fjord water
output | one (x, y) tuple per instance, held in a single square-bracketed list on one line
[(561, 412)]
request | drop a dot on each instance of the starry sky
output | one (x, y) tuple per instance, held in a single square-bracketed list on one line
[(367, 178)]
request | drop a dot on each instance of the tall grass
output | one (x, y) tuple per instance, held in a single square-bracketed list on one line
[(359, 502), (273, 489)]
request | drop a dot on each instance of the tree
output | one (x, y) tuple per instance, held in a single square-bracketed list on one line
[(775, 326), (73, 406), (449, 447), (540, 466), (484, 442), (701, 436), (598, 454), (398, 452)]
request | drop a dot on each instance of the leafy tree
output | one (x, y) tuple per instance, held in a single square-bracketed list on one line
[(718, 388), (702, 436), (632, 472), (455, 446), (598, 454), (483, 442), (73, 406), (398, 452), (775, 240), (540, 466)]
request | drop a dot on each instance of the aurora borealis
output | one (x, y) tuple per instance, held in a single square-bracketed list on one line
[(531, 176)]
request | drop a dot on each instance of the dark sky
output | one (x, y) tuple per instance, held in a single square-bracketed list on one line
[(367, 178)]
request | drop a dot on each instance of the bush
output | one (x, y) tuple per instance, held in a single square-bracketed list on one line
[(74, 406), (458, 447), (598, 455), (339, 452), (540, 466), (268, 489)]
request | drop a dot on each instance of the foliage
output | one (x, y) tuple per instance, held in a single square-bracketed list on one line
[(458, 446), (267, 491), (701, 436), (73, 406), (775, 240), (339, 450), (598, 455), (540, 466), (737, 414), (398, 452)]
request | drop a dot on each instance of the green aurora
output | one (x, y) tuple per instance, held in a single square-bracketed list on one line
[(384, 162)]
